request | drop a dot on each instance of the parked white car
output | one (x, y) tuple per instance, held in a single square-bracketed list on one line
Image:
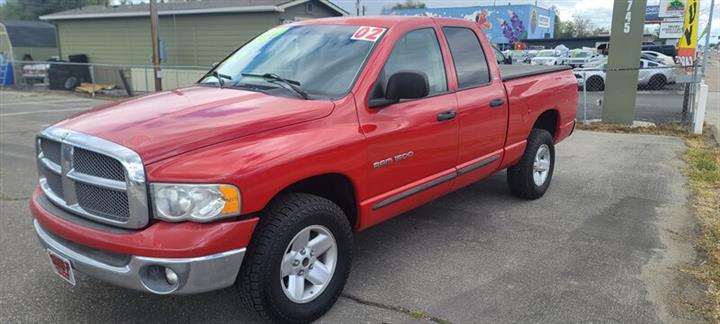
[(659, 57), (651, 75), (579, 58), (546, 57)]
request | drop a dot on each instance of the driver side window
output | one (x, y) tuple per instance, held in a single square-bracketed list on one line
[(418, 51)]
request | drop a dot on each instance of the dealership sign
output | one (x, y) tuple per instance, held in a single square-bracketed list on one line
[(671, 8), (652, 14), (671, 29), (688, 39)]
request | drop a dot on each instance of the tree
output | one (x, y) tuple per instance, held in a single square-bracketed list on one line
[(579, 27), (409, 4), (600, 31), (558, 23), (31, 9)]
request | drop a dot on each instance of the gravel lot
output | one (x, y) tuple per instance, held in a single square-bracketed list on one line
[(603, 245)]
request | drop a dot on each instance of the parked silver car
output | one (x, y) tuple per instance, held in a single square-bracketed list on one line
[(547, 57), (578, 58)]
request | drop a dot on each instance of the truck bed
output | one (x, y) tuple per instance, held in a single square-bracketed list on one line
[(511, 72)]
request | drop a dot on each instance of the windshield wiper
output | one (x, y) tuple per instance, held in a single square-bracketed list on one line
[(273, 77), (219, 76)]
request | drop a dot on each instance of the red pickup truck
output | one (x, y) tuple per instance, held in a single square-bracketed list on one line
[(258, 175)]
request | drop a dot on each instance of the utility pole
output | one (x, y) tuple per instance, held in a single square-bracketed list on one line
[(707, 38), (155, 45), (357, 7), (628, 20), (363, 10)]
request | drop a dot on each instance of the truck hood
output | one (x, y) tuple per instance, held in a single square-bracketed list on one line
[(169, 123)]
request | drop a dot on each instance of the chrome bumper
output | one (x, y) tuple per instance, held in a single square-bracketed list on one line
[(194, 275)]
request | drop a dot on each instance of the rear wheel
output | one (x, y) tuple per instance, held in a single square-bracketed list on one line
[(595, 83), (530, 178), (657, 82), (298, 261)]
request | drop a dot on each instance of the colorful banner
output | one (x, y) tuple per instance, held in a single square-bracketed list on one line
[(688, 39)]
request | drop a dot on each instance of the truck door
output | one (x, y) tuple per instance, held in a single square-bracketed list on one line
[(411, 144), (482, 106)]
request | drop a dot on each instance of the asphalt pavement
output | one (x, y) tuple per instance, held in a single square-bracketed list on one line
[(605, 244), (657, 106)]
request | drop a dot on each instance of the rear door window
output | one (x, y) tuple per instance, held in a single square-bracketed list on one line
[(470, 63)]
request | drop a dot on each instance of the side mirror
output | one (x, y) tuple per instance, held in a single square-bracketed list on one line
[(403, 85)]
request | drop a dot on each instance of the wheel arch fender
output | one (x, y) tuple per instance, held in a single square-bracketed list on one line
[(548, 120), (337, 187)]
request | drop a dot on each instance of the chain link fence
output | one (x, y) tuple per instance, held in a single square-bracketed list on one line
[(93, 78), (663, 93)]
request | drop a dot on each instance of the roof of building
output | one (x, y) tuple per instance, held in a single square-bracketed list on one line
[(30, 33), (184, 8)]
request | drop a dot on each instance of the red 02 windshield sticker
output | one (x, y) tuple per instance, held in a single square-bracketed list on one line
[(368, 33)]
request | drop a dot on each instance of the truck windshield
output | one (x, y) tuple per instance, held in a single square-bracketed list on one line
[(321, 60)]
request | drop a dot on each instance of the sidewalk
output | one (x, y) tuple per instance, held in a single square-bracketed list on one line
[(712, 112)]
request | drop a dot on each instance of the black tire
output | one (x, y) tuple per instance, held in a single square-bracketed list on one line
[(657, 82), (258, 280), (520, 176), (595, 83)]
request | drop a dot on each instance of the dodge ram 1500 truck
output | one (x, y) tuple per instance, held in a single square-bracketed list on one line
[(258, 175)]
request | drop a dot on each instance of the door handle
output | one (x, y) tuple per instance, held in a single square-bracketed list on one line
[(496, 103), (446, 115)]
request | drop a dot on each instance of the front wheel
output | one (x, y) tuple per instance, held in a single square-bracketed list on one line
[(530, 178), (298, 261)]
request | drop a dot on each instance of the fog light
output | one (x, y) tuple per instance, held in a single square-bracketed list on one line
[(170, 276)]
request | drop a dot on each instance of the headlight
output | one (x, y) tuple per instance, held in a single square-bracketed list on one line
[(194, 202)]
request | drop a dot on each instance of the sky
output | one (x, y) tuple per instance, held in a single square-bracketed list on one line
[(598, 11)]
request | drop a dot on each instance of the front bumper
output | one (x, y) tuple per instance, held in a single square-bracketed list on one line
[(194, 275), (205, 257)]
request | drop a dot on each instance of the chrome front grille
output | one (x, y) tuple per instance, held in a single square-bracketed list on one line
[(51, 150), (54, 181), (105, 202), (103, 166), (92, 177)]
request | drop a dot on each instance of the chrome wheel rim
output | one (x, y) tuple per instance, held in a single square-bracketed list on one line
[(541, 165), (308, 264)]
